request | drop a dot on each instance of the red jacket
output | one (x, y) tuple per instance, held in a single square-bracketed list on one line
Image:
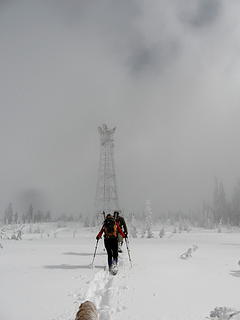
[(99, 235)]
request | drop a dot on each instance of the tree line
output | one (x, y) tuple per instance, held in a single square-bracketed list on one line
[(31, 216), (222, 210)]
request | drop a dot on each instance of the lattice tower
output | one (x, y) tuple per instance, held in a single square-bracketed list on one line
[(106, 194)]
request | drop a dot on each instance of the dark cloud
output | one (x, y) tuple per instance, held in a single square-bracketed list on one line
[(199, 13), (116, 23), (154, 60)]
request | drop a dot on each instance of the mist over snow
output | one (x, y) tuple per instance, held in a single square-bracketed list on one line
[(165, 73)]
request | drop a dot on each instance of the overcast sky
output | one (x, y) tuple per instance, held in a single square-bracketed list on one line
[(165, 73)]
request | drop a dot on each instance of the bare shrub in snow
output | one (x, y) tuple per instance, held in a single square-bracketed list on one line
[(187, 254), (12, 232), (224, 313)]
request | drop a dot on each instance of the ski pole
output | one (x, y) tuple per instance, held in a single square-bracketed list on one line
[(94, 253), (126, 241)]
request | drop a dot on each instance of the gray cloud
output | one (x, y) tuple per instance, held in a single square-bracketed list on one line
[(68, 67), (200, 13), (153, 60)]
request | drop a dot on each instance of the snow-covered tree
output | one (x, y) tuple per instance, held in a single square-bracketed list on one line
[(133, 231), (38, 217), (148, 219), (235, 205), (48, 216), (8, 216), (207, 220), (161, 232), (220, 206), (86, 221), (30, 214), (132, 228), (16, 218)]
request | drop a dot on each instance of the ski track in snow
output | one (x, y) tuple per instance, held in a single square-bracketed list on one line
[(104, 290)]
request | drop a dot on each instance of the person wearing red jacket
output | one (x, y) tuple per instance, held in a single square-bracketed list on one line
[(111, 229)]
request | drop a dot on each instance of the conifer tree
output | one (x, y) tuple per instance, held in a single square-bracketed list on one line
[(235, 205), (148, 219)]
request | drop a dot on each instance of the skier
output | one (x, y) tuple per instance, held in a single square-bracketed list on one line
[(111, 229), (122, 224)]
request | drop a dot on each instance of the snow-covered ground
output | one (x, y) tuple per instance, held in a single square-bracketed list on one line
[(47, 277)]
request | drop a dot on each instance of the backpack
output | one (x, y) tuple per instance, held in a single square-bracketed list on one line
[(109, 227)]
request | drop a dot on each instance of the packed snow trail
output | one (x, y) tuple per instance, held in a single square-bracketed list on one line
[(105, 290)]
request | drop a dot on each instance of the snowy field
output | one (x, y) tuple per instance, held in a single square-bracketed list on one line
[(47, 277)]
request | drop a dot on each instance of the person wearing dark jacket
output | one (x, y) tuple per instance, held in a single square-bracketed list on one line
[(122, 224), (111, 229)]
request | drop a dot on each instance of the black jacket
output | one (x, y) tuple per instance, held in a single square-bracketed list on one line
[(122, 224)]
